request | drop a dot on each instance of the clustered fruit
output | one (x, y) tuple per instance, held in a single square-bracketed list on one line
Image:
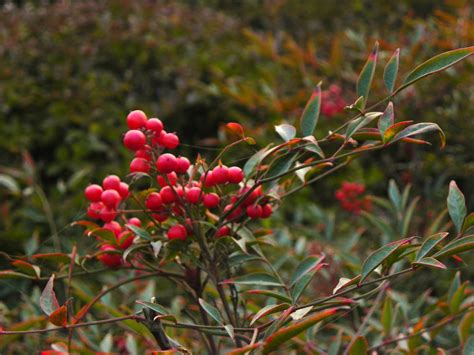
[(351, 199), (332, 101), (184, 195)]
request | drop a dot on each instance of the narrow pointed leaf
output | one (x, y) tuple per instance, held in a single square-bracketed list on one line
[(466, 326), (468, 222), (48, 301), (387, 316), (27, 268), (359, 347), (270, 309), (429, 244), (230, 330), (456, 206), (155, 307), (255, 160), (142, 233), (394, 195), (211, 310), (420, 128), (260, 279), (313, 146), (286, 131), (394, 129), (391, 70), (270, 294), (430, 262), (367, 74), (10, 274), (359, 123), (455, 247), (302, 283), (386, 120), (345, 282), (309, 118), (304, 267)]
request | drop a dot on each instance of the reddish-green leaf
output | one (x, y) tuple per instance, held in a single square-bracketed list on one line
[(456, 205), (391, 70), (303, 282), (245, 350), (10, 274), (235, 128), (59, 316), (271, 294), (394, 129), (429, 244), (275, 340), (309, 118), (313, 146), (358, 347), (386, 120), (104, 235), (457, 246), (359, 123), (286, 131), (305, 266), (466, 326), (53, 257), (430, 262), (270, 309), (367, 74), (27, 268), (420, 128), (260, 279), (458, 297), (387, 316), (48, 301), (345, 282), (468, 222)]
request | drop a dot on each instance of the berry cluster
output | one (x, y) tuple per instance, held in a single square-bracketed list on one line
[(349, 196), (332, 102), (185, 194)]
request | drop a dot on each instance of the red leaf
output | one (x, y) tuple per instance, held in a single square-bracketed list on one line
[(59, 316), (235, 128)]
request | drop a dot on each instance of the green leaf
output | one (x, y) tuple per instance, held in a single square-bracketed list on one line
[(271, 294), (430, 262), (142, 233), (386, 120), (286, 131), (270, 309), (391, 70), (302, 283), (387, 316), (274, 341), (309, 118), (429, 244), (437, 64), (456, 247), (468, 222), (260, 279), (313, 146), (358, 347), (304, 267), (281, 166), (466, 326), (105, 235), (457, 298), (10, 274), (420, 128), (212, 311), (379, 256), (407, 216), (367, 74), (255, 160), (345, 282), (230, 330), (394, 195), (48, 301), (360, 122), (455, 284), (380, 224), (155, 307), (10, 184), (456, 206), (468, 348)]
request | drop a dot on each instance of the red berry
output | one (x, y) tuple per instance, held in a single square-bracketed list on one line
[(167, 194), (166, 163), (94, 210), (178, 210), (93, 192), (172, 178), (111, 182), (208, 179), (114, 227), (169, 140), (182, 165), (107, 214), (123, 191), (211, 200), (136, 119), (220, 174), (139, 165), (193, 195), (134, 140), (154, 201), (267, 210), (125, 239), (155, 125), (110, 198), (157, 138), (143, 153), (254, 211), (236, 175), (134, 221), (161, 216), (234, 214), (223, 231), (109, 259), (177, 231)]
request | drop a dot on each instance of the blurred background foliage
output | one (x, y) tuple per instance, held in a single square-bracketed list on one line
[(71, 71)]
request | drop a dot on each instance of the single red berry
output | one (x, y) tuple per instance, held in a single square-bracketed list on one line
[(160, 216), (125, 239), (254, 195), (193, 195), (139, 165), (94, 209), (167, 194), (157, 138), (208, 179), (220, 174), (136, 119), (177, 231), (134, 139), (93, 192), (114, 227), (234, 214), (111, 182), (236, 175), (109, 259), (166, 163), (154, 201), (223, 231), (170, 140), (171, 177), (155, 125), (134, 221), (211, 200), (267, 210), (182, 165), (123, 191), (254, 211), (110, 198), (143, 153), (107, 214)]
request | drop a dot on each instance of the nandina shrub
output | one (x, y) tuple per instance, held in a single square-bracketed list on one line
[(195, 224)]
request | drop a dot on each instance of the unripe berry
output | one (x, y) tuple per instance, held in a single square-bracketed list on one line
[(114, 227), (93, 192), (193, 195), (111, 182), (112, 259), (123, 191), (220, 174), (172, 178), (167, 194), (139, 165), (107, 214), (93, 211), (236, 175), (110, 198), (136, 119), (177, 231), (134, 140), (211, 200), (155, 125), (154, 201), (134, 221), (182, 165), (166, 163), (223, 231), (254, 211), (267, 210), (125, 239), (169, 140)]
